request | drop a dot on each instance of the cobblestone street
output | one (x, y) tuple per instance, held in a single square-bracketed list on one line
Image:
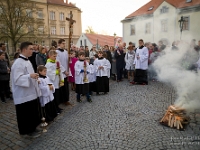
[(125, 119)]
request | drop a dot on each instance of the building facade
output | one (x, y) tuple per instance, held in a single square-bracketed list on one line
[(159, 20), (52, 24)]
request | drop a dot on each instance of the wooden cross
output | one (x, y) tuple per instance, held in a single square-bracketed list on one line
[(71, 22)]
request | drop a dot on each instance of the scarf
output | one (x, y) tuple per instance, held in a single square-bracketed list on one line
[(44, 57)]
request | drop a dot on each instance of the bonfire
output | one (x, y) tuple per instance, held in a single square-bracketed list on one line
[(175, 117)]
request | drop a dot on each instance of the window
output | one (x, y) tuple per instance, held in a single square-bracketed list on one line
[(132, 29), (17, 11), (35, 42), (81, 42), (186, 23), (42, 43), (53, 30), (188, 1), (85, 42), (52, 15), (164, 9), (30, 28), (62, 16), (62, 30), (148, 28), (40, 14), (151, 8), (41, 30), (1, 10), (164, 25), (29, 13)]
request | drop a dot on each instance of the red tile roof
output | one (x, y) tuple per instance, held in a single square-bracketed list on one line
[(156, 3), (60, 2), (102, 39)]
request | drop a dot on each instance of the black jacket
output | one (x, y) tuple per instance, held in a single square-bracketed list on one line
[(4, 75), (119, 59)]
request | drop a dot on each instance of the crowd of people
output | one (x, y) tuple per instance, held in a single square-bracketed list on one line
[(40, 77)]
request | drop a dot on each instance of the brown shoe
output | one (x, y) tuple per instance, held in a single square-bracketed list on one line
[(68, 104)]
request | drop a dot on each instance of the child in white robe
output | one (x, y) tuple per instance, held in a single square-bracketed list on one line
[(56, 77), (91, 76), (101, 68), (46, 99), (81, 77)]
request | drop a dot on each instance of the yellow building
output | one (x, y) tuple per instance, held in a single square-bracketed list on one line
[(52, 24)]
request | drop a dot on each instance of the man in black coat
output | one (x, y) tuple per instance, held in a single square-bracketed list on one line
[(33, 57), (119, 55)]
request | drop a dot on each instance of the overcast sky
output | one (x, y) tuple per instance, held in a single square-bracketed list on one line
[(105, 15)]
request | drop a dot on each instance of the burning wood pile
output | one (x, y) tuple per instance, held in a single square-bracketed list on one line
[(175, 117)]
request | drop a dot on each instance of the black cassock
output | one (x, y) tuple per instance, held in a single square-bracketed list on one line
[(119, 63), (28, 116)]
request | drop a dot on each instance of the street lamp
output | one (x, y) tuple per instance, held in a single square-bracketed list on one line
[(181, 22), (114, 38)]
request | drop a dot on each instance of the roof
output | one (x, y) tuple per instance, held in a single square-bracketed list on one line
[(61, 2), (102, 39), (145, 9)]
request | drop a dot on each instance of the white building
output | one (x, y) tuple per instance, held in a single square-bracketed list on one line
[(159, 20)]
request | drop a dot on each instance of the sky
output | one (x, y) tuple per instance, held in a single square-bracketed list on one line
[(105, 16)]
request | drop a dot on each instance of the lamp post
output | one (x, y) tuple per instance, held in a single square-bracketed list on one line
[(114, 39), (181, 22)]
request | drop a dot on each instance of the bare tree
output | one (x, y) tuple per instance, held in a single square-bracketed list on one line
[(18, 21), (90, 30)]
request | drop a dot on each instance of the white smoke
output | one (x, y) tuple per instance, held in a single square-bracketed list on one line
[(186, 83)]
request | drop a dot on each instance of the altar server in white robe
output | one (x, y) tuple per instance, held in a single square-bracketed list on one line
[(91, 76), (62, 57), (101, 67), (46, 99), (56, 77), (25, 91), (141, 64), (81, 77)]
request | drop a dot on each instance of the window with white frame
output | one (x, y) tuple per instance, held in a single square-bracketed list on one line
[(41, 30), (62, 30), (85, 42), (40, 14), (1, 10), (62, 16), (29, 13), (164, 9), (42, 43), (52, 15), (30, 28), (186, 23), (148, 28), (35, 42), (81, 43), (132, 30), (164, 25), (53, 30)]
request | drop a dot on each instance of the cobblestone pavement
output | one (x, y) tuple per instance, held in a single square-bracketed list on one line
[(125, 119)]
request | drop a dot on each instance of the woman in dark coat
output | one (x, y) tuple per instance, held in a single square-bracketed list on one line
[(119, 55)]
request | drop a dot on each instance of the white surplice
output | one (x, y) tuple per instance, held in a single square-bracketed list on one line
[(24, 88), (51, 73), (142, 62), (62, 57), (79, 65), (46, 93), (108, 68), (92, 73), (101, 62)]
